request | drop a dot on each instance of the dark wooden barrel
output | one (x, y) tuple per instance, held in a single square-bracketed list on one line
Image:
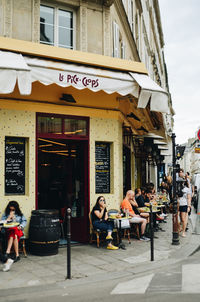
[(44, 232)]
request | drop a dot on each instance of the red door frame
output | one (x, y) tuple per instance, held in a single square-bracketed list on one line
[(86, 163)]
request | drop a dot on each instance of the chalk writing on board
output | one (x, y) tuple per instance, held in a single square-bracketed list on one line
[(102, 163), (14, 165)]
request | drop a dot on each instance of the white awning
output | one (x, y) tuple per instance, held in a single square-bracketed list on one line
[(162, 148), (153, 135), (149, 89), (13, 68), (164, 153), (158, 142), (26, 70)]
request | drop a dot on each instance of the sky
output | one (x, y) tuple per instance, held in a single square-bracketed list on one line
[(181, 28)]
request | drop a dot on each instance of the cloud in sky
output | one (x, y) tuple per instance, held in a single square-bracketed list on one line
[(181, 28)]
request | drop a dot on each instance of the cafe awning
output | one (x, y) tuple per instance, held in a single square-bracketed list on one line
[(158, 142), (25, 70), (13, 68)]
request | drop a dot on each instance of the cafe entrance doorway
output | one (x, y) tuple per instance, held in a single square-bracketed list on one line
[(126, 170), (62, 179)]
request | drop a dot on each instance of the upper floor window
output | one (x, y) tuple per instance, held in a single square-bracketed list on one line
[(118, 43), (57, 26)]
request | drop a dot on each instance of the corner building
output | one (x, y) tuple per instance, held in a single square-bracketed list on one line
[(79, 96)]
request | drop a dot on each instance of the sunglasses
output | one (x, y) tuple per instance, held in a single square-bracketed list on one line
[(102, 200)]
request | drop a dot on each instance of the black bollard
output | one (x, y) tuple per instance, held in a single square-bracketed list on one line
[(68, 243), (175, 234), (151, 233)]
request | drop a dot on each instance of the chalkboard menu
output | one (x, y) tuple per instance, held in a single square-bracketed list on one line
[(102, 160), (15, 165)]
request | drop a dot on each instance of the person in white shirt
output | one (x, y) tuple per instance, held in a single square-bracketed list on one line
[(184, 206), (187, 177)]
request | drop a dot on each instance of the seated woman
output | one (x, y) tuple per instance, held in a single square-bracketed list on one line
[(14, 214), (99, 216)]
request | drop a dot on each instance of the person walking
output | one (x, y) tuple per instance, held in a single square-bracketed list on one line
[(184, 207)]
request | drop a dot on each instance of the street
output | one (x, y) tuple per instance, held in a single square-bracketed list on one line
[(181, 282)]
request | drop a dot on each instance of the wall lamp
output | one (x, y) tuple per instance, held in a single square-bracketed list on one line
[(67, 98)]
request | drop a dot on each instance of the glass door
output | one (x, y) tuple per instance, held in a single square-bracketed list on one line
[(62, 171)]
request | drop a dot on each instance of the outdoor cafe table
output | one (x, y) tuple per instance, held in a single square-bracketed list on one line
[(147, 210)]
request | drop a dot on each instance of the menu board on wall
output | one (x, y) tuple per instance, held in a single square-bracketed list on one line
[(15, 165), (102, 173)]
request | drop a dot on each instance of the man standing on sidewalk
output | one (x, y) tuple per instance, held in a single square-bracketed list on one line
[(126, 206)]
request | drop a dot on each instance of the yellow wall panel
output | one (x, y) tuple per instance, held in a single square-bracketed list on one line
[(21, 124), (107, 130)]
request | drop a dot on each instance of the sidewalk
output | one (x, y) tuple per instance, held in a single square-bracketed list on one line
[(89, 264)]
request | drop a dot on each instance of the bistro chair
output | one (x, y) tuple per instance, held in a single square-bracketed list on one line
[(134, 230), (22, 246), (95, 234)]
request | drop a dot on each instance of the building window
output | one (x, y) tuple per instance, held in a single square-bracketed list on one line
[(49, 124), (123, 50), (119, 47), (115, 40), (57, 27), (52, 124)]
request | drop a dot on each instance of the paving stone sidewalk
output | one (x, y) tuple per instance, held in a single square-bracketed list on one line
[(91, 263)]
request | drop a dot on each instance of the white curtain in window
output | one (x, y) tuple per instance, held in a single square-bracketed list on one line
[(115, 40), (123, 50), (130, 12)]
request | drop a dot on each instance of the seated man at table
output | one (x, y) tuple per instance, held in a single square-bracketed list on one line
[(140, 198), (139, 203), (126, 206)]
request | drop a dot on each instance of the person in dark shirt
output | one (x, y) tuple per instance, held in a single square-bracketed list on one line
[(140, 198), (140, 204), (141, 201), (99, 217)]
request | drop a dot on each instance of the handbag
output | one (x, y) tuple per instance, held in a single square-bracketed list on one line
[(125, 223)]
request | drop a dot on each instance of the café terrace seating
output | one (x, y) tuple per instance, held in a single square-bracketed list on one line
[(97, 235)]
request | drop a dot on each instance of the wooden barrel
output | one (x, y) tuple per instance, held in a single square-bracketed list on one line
[(44, 232)]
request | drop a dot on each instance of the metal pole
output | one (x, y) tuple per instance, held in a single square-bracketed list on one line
[(175, 234), (68, 243), (151, 233), (148, 171)]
